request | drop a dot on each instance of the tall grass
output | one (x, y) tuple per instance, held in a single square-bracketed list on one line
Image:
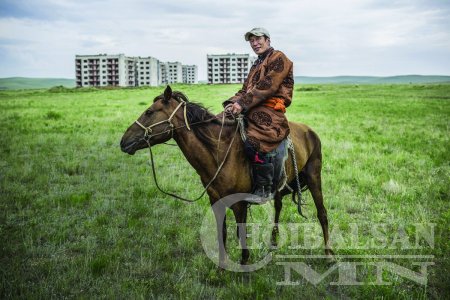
[(78, 218)]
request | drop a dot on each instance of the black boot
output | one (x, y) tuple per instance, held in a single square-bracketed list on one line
[(263, 176)]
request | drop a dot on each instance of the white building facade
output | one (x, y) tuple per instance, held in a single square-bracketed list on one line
[(228, 68), (171, 72), (120, 70), (101, 70), (147, 70), (190, 74)]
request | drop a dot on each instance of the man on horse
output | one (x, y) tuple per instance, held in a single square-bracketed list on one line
[(263, 99)]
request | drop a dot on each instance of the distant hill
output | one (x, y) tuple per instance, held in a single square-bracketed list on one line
[(373, 79), (15, 83)]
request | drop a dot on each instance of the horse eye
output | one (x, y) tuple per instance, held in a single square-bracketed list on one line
[(148, 112)]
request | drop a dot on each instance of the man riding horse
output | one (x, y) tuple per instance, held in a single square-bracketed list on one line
[(263, 99)]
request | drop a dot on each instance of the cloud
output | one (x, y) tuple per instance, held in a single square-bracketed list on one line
[(41, 38)]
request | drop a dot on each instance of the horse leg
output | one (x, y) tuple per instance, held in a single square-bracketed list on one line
[(314, 182), (220, 216), (240, 214), (278, 205), (238, 228)]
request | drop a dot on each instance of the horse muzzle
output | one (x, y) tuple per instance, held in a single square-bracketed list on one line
[(129, 148)]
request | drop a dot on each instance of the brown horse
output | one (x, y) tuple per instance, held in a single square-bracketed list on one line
[(196, 132)]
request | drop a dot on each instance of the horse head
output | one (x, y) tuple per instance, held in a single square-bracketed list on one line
[(154, 126)]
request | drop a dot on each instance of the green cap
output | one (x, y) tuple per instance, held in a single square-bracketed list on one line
[(258, 31)]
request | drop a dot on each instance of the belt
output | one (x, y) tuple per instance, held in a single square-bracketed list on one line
[(275, 103)]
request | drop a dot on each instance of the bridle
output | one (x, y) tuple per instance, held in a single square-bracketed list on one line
[(148, 130), (149, 134)]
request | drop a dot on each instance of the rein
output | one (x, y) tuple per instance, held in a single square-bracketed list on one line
[(148, 135)]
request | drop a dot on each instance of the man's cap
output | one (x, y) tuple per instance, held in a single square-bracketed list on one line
[(258, 31)]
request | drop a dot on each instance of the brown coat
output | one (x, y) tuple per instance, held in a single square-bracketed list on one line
[(270, 77)]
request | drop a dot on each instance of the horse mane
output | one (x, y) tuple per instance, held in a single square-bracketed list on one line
[(199, 119)]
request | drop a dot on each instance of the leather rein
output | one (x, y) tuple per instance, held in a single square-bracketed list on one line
[(148, 134)]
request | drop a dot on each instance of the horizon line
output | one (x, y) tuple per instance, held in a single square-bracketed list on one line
[(327, 76)]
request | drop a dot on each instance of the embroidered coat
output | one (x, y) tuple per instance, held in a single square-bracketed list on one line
[(270, 77)]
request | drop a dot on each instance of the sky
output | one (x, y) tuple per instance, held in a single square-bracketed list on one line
[(40, 38)]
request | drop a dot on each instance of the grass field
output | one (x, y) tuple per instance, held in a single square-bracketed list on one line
[(81, 219), (16, 83)]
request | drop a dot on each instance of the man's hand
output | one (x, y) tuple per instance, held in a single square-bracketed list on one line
[(233, 108)]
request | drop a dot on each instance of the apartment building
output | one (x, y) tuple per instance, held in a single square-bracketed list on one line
[(171, 72), (190, 74), (147, 71), (228, 68), (120, 70), (101, 70)]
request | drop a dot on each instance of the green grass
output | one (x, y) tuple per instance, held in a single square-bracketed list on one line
[(81, 219), (17, 83)]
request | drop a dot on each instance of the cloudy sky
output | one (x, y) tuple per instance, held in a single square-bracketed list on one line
[(40, 38)]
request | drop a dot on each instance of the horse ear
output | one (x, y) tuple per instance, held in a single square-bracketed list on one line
[(167, 94)]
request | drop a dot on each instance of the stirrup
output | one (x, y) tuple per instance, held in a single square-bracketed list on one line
[(259, 199)]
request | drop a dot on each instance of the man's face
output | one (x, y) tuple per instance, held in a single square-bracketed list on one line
[(259, 44)]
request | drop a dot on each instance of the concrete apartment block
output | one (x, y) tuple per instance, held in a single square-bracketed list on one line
[(147, 71), (100, 70), (171, 72), (190, 74), (228, 68), (120, 70)]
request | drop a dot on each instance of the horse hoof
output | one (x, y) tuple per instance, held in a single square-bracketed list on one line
[(220, 270), (330, 256), (274, 245)]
